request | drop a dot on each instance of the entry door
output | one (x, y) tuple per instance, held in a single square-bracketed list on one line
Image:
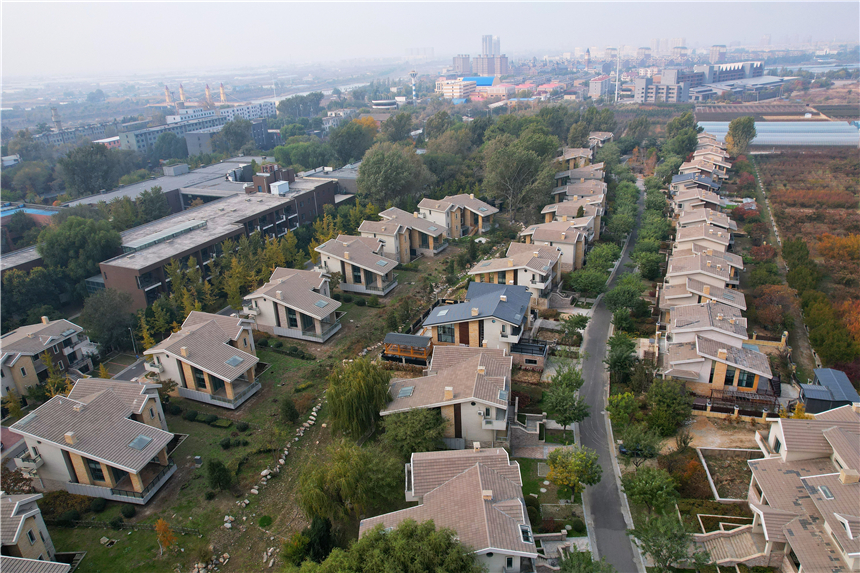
[(458, 423), (464, 333)]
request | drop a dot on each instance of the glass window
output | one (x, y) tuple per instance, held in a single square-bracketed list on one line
[(746, 379), (23, 371), (713, 368), (292, 319), (152, 413), (777, 445), (96, 470), (730, 376), (500, 279), (356, 275), (445, 333), (31, 537)]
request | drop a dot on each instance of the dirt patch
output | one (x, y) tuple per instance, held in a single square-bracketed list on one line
[(731, 475), (525, 376), (717, 433)]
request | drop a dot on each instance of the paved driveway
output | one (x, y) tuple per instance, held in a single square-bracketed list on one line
[(610, 528)]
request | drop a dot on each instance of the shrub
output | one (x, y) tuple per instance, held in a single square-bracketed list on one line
[(225, 443), (534, 514), (303, 403), (277, 344), (288, 411), (116, 523), (532, 501), (128, 511), (263, 342), (302, 387), (174, 410), (236, 443), (578, 525), (242, 426), (265, 521), (209, 495), (549, 313), (347, 298), (549, 526), (208, 419), (336, 296), (360, 302), (98, 504), (56, 503), (222, 423), (373, 302), (67, 517), (190, 415)]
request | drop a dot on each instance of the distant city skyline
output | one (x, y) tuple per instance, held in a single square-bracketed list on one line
[(121, 37)]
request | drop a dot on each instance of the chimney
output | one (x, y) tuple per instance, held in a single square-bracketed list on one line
[(476, 446), (582, 179), (279, 294), (535, 253), (415, 214), (719, 316), (564, 217), (474, 311), (471, 195), (346, 255), (31, 335), (449, 393), (562, 235), (707, 290), (847, 476), (487, 494), (510, 262), (710, 252), (482, 369), (45, 320), (503, 298), (709, 263), (78, 407), (184, 351), (70, 438), (383, 228), (722, 353)]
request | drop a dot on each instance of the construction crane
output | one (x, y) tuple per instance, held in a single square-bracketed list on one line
[(181, 94), (223, 95)]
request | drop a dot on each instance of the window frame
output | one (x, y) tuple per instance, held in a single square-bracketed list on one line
[(449, 335), (30, 537)]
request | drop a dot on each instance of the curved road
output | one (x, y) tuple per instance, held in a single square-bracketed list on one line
[(610, 528)]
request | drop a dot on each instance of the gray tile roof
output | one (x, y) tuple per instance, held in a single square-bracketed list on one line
[(730, 258), (408, 340), (472, 204), (133, 395), (231, 325), (487, 298), (458, 504), (14, 509), (567, 232), (361, 253), (694, 216), (102, 428), (19, 565), (432, 469), (731, 297), (708, 316), (536, 258), (703, 231), (581, 188), (296, 288), (208, 349), (590, 206), (459, 368), (594, 171), (695, 178), (569, 153), (739, 357), (680, 265), (35, 338), (410, 221), (837, 383), (386, 228)]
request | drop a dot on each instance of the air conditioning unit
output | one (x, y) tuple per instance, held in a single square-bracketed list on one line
[(480, 414)]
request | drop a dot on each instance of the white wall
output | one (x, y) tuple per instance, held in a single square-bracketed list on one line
[(699, 276), (472, 425), (438, 217), (707, 333), (568, 252), (54, 468)]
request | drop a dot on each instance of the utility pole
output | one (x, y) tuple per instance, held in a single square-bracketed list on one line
[(617, 75)]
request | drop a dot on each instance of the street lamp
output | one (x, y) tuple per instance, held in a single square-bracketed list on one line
[(133, 345)]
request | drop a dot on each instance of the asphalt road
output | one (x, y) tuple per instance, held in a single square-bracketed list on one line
[(610, 529)]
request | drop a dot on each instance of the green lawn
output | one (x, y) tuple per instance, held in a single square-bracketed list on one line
[(560, 437)]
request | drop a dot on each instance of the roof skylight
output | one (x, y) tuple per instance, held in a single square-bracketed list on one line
[(321, 304), (234, 361), (140, 442), (405, 392)]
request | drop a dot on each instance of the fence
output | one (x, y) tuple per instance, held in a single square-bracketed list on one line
[(123, 525)]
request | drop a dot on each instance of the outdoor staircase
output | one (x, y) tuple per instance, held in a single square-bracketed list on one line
[(739, 545)]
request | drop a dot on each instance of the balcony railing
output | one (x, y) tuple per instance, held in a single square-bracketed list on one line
[(328, 328), (29, 462), (156, 482), (153, 367), (383, 288)]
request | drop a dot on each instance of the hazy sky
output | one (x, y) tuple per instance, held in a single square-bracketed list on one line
[(69, 38)]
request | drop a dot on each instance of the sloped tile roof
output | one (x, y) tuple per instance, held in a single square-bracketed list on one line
[(20, 565), (432, 469), (102, 428), (297, 292), (468, 202), (739, 357), (19, 340), (808, 435), (487, 298), (480, 524), (385, 228), (13, 511), (231, 325), (698, 263), (133, 395), (773, 520), (694, 216), (410, 221), (703, 231), (582, 188), (726, 296), (567, 232), (707, 316), (536, 258), (362, 253), (591, 206)]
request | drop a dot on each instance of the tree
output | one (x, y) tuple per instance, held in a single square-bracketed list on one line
[(167, 387), (107, 318), (671, 405), (350, 141), (649, 265), (566, 407), (512, 173), (740, 135), (409, 547), (320, 539), (397, 127), (218, 475), (578, 135), (418, 430), (170, 146), (622, 321), (602, 256), (639, 128), (573, 324), (639, 444), (151, 205), (289, 414), (587, 282), (12, 403), (235, 134), (103, 371), (164, 535), (623, 296), (392, 173), (354, 481), (577, 561), (357, 393), (56, 383), (622, 407), (78, 246), (620, 359), (574, 467), (437, 125), (610, 155), (643, 376), (14, 482), (664, 539), (88, 169)]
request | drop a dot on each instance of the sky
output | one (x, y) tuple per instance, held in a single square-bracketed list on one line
[(140, 37)]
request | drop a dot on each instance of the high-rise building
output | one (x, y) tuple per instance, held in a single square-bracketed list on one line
[(643, 54), (587, 58), (677, 42), (718, 54), (765, 40), (610, 53), (486, 45), (462, 65), (664, 46), (679, 52), (490, 65), (497, 49), (655, 46)]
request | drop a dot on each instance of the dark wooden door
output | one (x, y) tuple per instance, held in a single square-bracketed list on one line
[(464, 333), (458, 423)]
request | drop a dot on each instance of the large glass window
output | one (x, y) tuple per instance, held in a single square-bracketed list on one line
[(746, 379), (445, 333), (500, 279), (356, 275), (292, 319), (96, 470), (730, 376)]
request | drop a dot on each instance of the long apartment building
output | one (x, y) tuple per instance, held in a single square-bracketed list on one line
[(143, 140)]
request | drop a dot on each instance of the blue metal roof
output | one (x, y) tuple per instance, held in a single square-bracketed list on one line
[(486, 297), (793, 132), (458, 101), (481, 81), (837, 383)]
